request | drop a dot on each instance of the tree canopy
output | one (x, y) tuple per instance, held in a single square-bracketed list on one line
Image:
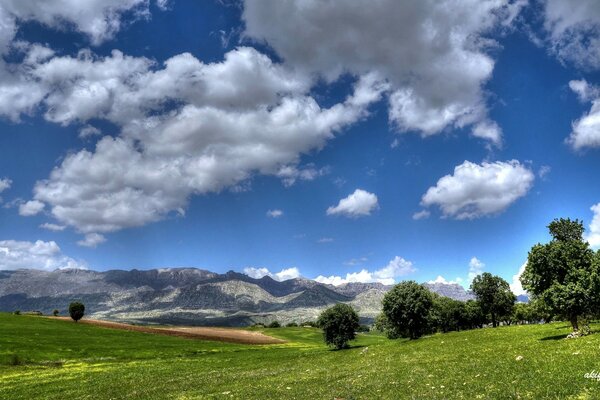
[(564, 273), (76, 310), (494, 296), (407, 308), (339, 324)]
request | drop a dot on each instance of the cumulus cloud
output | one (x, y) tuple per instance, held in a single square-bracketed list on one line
[(283, 275), (99, 20), (476, 190), (387, 275), (239, 117), (573, 28), (53, 227), (274, 213), (31, 208), (586, 130), (475, 268), (5, 183), (593, 235), (442, 280), (358, 204), (515, 285), (92, 240), (34, 255), (434, 61)]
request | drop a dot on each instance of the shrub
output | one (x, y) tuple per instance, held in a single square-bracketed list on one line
[(292, 325), (339, 324), (274, 324), (17, 312), (15, 360), (55, 312), (76, 310)]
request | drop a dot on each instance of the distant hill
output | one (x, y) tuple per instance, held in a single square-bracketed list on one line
[(190, 296)]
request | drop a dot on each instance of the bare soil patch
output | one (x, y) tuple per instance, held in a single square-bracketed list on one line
[(231, 335)]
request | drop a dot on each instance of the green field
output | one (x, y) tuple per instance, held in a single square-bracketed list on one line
[(63, 360)]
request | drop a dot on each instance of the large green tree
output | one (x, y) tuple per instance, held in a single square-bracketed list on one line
[(494, 296), (339, 324), (76, 310), (564, 273), (407, 310)]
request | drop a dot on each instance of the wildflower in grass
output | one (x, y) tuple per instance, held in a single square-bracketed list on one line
[(519, 358)]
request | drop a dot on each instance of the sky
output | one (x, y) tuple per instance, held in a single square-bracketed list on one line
[(347, 141)]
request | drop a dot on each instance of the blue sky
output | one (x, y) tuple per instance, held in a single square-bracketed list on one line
[(288, 138)]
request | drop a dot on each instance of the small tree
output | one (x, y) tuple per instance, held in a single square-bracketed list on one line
[(274, 324), (407, 307), (494, 296), (564, 273), (55, 312), (339, 324), (76, 310)]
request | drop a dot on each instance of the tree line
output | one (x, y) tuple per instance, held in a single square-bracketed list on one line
[(562, 278)]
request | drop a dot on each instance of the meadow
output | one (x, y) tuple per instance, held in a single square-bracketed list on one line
[(43, 358)]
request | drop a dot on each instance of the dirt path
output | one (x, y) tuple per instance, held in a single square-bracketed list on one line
[(192, 332)]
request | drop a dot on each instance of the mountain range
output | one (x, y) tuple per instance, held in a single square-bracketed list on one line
[(190, 296)]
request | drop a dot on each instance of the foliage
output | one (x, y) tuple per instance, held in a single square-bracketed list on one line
[(339, 324), (494, 296), (446, 314), (55, 312), (291, 325), (565, 272), (274, 324), (407, 307), (76, 310), (17, 312)]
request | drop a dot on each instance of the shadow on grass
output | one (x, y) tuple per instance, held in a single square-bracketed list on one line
[(356, 346), (555, 337)]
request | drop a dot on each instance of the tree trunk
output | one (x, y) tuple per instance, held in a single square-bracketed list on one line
[(494, 324), (574, 323)]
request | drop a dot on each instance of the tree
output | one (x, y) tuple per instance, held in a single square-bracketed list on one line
[(494, 296), (55, 312), (446, 314), (564, 273), (274, 324), (339, 324), (76, 310), (473, 316), (407, 309)]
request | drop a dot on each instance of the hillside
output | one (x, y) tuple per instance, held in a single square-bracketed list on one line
[(76, 361), (189, 296)]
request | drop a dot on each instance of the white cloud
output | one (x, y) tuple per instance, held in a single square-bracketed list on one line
[(88, 131), (240, 117), (515, 285), (488, 130), (358, 204), (356, 261), (5, 184), (283, 275), (423, 214), (53, 227), (30, 208), (387, 275), (442, 280), (274, 213), (474, 190), (92, 240), (586, 130), (100, 20), (325, 240), (289, 174), (544, 171), (475, 268), (434, 61), (593, 235), (39, 255), (573, 28)]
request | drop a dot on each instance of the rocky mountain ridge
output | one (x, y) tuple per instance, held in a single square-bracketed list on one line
[(190, 296)]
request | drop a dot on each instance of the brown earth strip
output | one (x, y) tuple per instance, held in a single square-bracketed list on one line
[(191, 332)]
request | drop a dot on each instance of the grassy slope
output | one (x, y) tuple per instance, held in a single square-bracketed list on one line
[(99, 363)]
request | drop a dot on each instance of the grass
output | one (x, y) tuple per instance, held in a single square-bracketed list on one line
[(58, 360)]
